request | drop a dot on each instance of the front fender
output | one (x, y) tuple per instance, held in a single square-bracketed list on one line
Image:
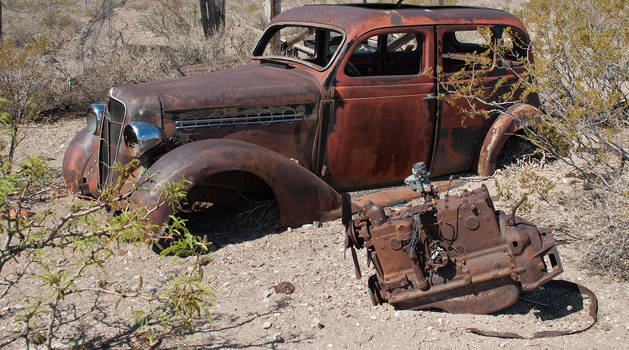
[(302, 197), (507, 124), (79, 163)]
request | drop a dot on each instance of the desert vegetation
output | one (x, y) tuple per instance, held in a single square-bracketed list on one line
[(58, 56), (581, 75)]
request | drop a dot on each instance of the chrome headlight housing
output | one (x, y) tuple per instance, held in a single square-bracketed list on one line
[(94, 116), (141, 137)]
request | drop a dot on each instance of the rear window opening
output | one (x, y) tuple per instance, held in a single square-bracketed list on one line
[(468, 49)]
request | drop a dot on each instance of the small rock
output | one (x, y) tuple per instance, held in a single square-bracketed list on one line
[(284, 288), (277, 337), (317, 224), (306, 226), (373, 317), (289, 229), (317, 324), (266, 293), (440, 320), (570, 180), (267, 324)]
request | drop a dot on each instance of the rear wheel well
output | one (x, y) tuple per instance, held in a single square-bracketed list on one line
[(516, 147)]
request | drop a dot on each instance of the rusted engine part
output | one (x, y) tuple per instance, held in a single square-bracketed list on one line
[(400, 195), (457, 254), (555, 284)]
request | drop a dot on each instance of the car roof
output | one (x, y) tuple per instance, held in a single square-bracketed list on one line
[(356, 19)]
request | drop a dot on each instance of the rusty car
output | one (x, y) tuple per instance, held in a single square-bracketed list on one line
[(334, 98)]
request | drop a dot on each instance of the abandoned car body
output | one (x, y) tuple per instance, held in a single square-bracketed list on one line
[(335, 98), (455, 253)]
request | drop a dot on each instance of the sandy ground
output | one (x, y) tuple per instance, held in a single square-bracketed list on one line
[(329, 308)]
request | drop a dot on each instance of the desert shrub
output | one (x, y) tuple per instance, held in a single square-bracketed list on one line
[(46, 257), (49, 260), (581, 76), (176, 24), (23, 83), (581, 73)]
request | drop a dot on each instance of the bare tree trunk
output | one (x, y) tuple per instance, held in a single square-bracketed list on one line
[(274, 9), (212, 15), (216, 14), (204, 17)]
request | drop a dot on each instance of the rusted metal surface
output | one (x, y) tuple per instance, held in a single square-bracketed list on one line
[(400, 195), (505, 126), (76, 169), (394, 110), (198, 161), (196, 69), (351, 132), (358, 19), (555, 284), (456, 254)]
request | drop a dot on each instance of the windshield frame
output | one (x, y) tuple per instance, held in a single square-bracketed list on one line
[(273, 28)]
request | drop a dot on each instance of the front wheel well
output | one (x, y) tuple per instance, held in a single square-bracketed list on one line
[(235, 188)]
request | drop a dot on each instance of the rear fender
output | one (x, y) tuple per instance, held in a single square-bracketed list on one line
[(505, 126), (79, 164), (302, 197)]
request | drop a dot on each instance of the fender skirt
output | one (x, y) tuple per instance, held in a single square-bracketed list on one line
[(79, 164), (505, 126), (302, 197)]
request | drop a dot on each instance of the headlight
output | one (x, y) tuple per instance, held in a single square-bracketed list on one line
[(94, 116), (140, 137)]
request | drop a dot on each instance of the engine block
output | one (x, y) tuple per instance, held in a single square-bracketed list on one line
[(457, 253)]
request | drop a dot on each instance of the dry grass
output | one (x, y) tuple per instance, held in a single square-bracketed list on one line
[(110, 42)]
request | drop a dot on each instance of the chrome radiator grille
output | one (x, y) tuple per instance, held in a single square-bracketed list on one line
[(110, 138)]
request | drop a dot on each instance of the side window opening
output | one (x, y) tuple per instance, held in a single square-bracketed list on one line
[(512, 49), (387, 54), (468, 49)]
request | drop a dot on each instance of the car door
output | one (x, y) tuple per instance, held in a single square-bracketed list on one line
[(462, 48), (383, 114)]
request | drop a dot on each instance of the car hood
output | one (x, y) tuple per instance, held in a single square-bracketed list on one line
[(254, 84)]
